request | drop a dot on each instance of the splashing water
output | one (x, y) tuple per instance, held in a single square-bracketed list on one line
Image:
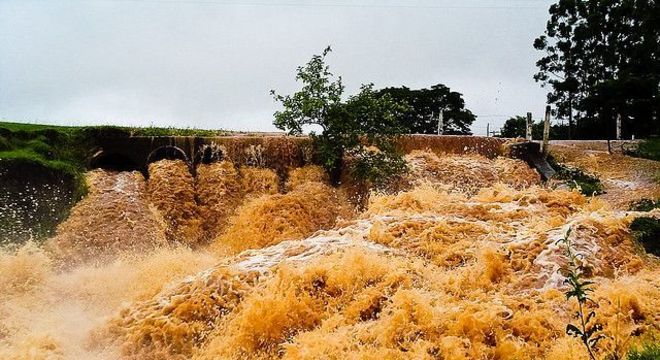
[(454, 267)]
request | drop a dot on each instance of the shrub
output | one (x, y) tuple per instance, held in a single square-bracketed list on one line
[(647, 352), (362, 121), (4, 144), (645, 205), (40, 147), (588, 184), (377, 167), (647, 232), (647, 149)]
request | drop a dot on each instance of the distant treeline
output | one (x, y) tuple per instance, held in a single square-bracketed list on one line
[(601, 60)]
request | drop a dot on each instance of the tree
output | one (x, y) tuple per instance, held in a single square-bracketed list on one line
[(601, 60), (516, 126), (357, 125), (425, 104)]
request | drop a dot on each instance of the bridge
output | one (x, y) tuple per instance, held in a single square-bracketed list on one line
[(280, 152)]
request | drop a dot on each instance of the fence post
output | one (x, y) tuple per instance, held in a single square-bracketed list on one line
[(546, 130), (528, 127), (441, 121)]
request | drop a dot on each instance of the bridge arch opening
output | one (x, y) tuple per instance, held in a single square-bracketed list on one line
[(112, 161), (167, 152)]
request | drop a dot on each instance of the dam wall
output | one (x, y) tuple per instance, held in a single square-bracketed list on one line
[(278, 152)]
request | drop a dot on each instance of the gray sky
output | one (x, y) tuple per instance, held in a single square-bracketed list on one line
[(211, 63)]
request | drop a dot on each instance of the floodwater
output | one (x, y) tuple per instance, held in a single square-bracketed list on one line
[(461, 263)]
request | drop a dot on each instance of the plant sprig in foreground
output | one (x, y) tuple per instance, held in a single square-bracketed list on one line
[(587, 329)]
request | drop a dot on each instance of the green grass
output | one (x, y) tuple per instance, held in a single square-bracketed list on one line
[(30, 155), (125, 130), (647, 232), (576, 178), (645, 205), (647, 149), (12, 126), (649, 351)]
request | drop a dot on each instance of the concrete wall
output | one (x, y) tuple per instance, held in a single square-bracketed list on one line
[(278, 152)]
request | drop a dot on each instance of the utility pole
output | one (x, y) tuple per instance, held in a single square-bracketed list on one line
[(570, 116), (441, 121), (528, 127), (546, 130), (487, 129)]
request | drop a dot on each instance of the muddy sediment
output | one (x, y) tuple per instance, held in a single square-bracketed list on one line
[(463, 263), (116, 216), (171, 190)]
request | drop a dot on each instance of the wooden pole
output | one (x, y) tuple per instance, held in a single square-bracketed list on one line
[(441, 121), (487, 129), (528, 127), (546, 130), (570, 116)]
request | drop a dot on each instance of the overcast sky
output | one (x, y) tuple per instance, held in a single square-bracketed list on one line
[(211, 63)]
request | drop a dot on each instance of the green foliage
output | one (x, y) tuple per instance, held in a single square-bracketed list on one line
[(515, 127), (17, 128), (647, 149), (645, 205), (588, 184), (589, 331), (41, 148), (377, 167), (347, 128), (598, 68), (649, 351), (425, 104), (647, 232), (171, 131), (315, 103), (4, 144)]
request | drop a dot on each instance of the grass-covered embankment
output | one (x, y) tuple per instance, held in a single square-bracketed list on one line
[(647, 149)]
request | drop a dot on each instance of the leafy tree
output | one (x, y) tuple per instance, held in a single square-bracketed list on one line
[(357, 127), (516, 127), (601, 59), (425, 104)]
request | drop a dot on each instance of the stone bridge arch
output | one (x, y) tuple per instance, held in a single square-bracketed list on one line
[(111, 160), (168, 152)]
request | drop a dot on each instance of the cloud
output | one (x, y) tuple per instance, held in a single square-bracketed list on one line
[(211, 64)]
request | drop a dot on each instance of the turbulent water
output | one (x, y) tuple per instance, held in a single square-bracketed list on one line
[(236, 263)]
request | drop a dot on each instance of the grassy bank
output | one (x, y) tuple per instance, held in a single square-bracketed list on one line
[(647, 149), (127, 130)]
